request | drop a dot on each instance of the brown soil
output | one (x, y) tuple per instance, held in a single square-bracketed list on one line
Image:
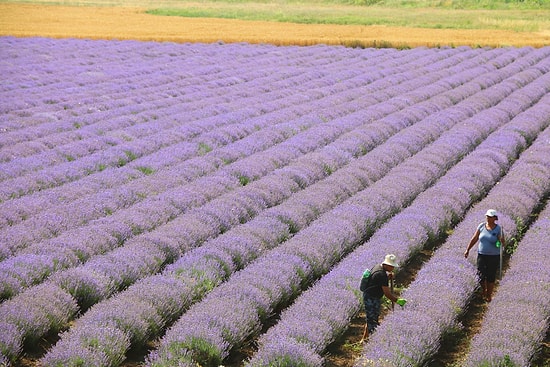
[(27, 20)]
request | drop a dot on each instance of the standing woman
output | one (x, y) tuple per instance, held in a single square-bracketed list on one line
[(490, 237)]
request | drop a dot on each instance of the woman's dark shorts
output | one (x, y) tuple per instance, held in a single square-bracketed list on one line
[(487, 266)]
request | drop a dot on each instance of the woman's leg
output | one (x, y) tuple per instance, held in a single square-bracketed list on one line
[(482, 271), (493, 263), (372, 311)]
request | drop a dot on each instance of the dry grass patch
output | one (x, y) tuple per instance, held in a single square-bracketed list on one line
[(106, 22)]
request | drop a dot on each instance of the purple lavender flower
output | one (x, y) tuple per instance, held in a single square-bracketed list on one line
[(46, 307), (11, 342), (95, 347)]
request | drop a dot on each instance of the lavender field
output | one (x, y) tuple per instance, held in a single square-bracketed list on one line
[(195, 198)]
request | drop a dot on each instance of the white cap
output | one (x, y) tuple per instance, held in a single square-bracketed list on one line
[(491, 213), (391, 260)]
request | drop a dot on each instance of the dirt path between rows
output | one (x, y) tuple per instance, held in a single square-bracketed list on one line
[(29, 20)]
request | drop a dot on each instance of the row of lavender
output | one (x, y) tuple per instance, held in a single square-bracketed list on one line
[(516, 197), (196, 272), (207, 332), (397, 98), (41, 293)]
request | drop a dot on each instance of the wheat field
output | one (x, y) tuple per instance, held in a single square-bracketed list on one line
[(123, 23)]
